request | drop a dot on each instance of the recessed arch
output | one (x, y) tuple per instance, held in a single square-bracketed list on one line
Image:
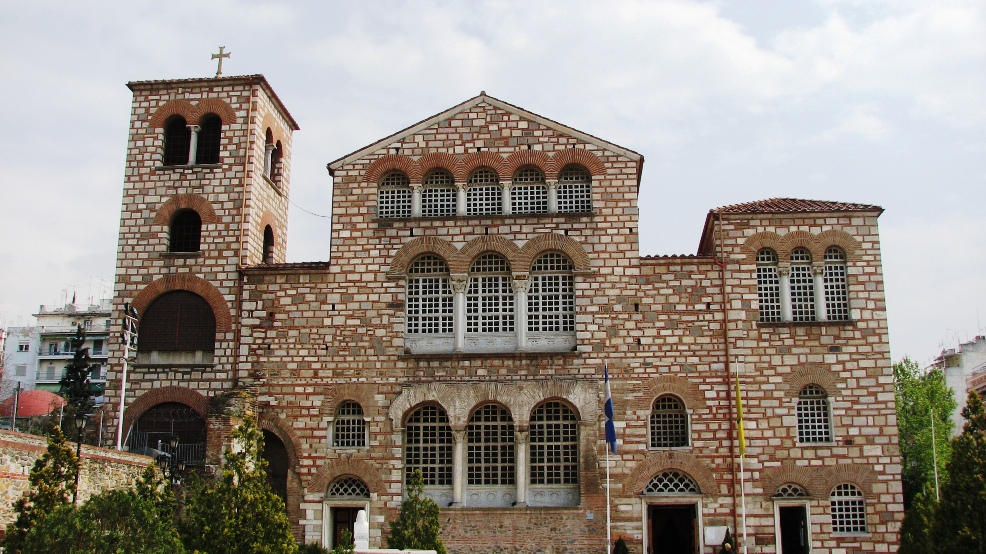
[(681, 387), (181, 395), (476, 160), (386, 164), (578, 156), (274, 423), (332, 469), (657, 463), (808, 478), (812, 374), (216, 106), (426, 164), (841, 239), (795, 240), (482, 245), (192, 283), (536, 158), (423, 245), (553, 241), (183, 108), (177, 202)]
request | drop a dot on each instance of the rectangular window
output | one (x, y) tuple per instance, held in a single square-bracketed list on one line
[(23, 346), (836, 292), (802, 293), (490, 305), (551, 304), (769, 293), (97, 347), (438, 202), (574, 198), (394, 202), (484, 200), (20, 370), (529, 199)]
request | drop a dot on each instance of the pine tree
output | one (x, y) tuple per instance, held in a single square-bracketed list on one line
[(417, 525), (52, 482), (238, 513), (76, 387), (960, 520)]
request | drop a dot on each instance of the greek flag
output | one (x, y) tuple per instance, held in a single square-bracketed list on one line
[(610, 427)]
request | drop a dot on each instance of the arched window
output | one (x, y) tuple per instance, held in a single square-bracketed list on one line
[(802, 286), (668, 423), (428, 446), (177, 141), (155, 427), (790, 490), (554, 438), (349, 426), (210, 134), (768, 286), (483, 193), (178, 321), (490, 296), (848, 509), (268, 245), (490, 452), (836, 287), (528, 193), (278, 463), (551, 300), (276, 163), (429, 297), (394, 196), (574, 190), (672, 482), (186, 231), (438, 195), (813, 415), (348, 487)]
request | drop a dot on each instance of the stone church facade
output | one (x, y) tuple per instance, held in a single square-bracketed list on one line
[(484, 271)]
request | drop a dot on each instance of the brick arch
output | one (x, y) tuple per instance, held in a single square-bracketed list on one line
[(579, 156), (336, 395), (217, 106), (177, 202), (182, 395), (268, 219), (388, 163), (812, 374), (650, 390), (333, 469), (438, 160), (658, 462), (796, 239), (183, 108), (757, 242), (418, 246), (842, 239), (474, 161), (483, 244), (275, 129), (856, 474), (546, 242), (809, 478), (536, 158), (192, 283), (274, 423)]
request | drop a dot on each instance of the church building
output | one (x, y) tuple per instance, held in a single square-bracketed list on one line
[(484, 273)]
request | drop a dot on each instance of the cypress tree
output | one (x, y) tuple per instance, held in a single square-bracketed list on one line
[(417, 525)]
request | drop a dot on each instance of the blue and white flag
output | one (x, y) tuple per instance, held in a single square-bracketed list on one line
[(610, 427)]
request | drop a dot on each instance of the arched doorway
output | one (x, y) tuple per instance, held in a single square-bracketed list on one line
[(344, 499), (278, 464), (154, 428)]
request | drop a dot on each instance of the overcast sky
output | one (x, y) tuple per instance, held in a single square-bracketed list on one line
[(870, 101)]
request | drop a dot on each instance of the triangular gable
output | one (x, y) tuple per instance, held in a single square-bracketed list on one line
[(469, 104)]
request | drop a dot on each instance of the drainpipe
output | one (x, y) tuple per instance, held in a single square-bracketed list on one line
[(727, 370)]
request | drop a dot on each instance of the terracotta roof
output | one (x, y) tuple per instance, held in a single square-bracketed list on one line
[(31, 403), (793, 205), (294, 265)]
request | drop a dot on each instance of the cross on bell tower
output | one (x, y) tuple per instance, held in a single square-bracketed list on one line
[(220, 56)]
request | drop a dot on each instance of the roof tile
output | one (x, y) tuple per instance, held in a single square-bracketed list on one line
[(792, 205)]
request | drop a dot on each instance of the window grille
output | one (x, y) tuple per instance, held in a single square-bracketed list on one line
[(668, 423), (554, 442), (802, 286), (348, 487), (491, 446), (484, 195), (156, 426), (438, 196), (848, 509), (574, 190), (210, 135), (186, 232), (490, 296), (551, 299), (394, 196), (178, 321), (177, 141), (768, 286), (813, 415), (672, 482), (529, 194), (349, 426), (836, 287), (429, 297), (790, 490), (428, 446)]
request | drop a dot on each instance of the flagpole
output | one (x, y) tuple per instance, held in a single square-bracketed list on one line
[(609, 538), (743, 498), (610, 444)]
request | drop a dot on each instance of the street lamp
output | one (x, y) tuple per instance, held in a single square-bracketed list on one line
[(171, 466), (80, 425)]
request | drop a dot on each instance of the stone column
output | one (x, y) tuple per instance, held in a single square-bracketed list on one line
[(786, 312), (552, 197), (521, 438), (505, 208), (458, 466), (818, 278), (193, 144), (416, 200), (268, 151), (459, 284), (460, 199), (521, 285)]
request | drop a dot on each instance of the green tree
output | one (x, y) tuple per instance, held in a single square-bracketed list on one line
[(238, 513), (960, 520), (75, 386), (52, 483), (417, 525), (921, 396), (915, 532)]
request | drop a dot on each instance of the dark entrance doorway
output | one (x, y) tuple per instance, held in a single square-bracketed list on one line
[(277, 465), (794, 530), (343, 518), (673, 529)]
